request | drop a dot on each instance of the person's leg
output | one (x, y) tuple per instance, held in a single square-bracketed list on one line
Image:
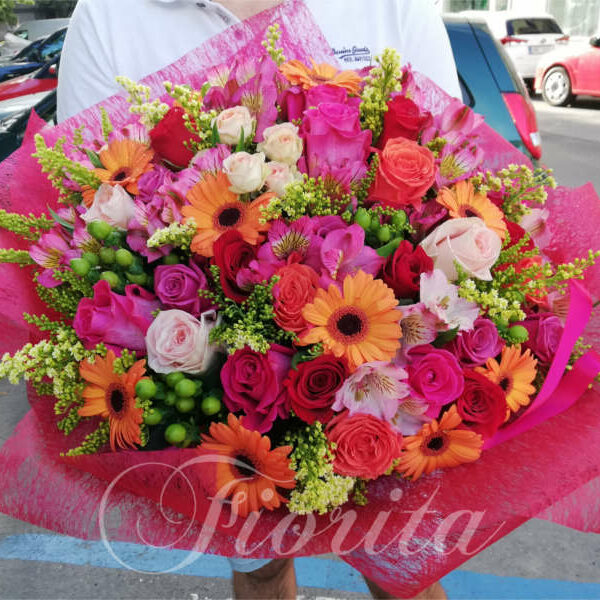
[(276, 579), (434, 592)]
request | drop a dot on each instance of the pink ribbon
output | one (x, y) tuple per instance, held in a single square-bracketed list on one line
[(559, 391)]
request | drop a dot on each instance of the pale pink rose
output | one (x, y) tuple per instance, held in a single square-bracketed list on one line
[(177, 341), (279, 175), (113, 205), (231, 122), (373, 389), (246, 172), (282, 143), (467, 242)]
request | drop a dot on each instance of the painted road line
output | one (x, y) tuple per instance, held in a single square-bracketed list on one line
[(312, 572)]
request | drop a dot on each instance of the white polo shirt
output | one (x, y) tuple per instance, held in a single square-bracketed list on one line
[(135, 38)]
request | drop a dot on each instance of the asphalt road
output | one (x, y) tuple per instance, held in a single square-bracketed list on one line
[(539, 560)]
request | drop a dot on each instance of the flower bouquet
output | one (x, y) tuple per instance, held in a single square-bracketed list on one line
[(283, 292)]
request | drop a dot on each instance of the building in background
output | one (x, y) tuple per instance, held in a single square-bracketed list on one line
[(576, 17)]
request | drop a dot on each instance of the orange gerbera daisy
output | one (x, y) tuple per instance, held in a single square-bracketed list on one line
[(439, 445), (363, 324), (514, 375), (251, 480), (297, 73), (112, 396), (125, 161), (216, 209), (462, 201)]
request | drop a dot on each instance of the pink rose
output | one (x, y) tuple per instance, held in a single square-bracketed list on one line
[(545, 331), (117, 321), (111, 204), (177, 341), (279, 175), (467, 241), (474, 346), (253, 383), (435, 376), (281, 143)]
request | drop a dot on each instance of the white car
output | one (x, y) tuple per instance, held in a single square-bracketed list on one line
[(525, 37)]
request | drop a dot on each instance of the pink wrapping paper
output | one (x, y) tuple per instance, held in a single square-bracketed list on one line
[(410, 534)]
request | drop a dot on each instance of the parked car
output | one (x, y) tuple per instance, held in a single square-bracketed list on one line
[(490, 84), (12, 45), (526, 37), (562, 75), (42, 80), (488, 80), (35, 56), (14, 41), (14, 115)]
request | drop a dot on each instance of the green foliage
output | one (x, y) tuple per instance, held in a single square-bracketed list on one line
[(7, 11), (16, 257), (28, 227), (271, 44), (151, 113), (178, 235)]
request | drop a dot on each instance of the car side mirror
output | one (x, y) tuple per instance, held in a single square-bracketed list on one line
[(595, 41)]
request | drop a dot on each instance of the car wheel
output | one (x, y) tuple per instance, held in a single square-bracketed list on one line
[(556, 88)]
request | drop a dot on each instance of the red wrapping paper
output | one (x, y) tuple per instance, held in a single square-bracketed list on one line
[(410, 534)]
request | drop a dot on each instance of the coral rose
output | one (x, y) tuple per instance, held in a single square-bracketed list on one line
[(296, 287), (365, 446), (406, 171)]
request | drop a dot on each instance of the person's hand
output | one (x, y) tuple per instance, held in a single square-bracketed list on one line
[(244, 9)]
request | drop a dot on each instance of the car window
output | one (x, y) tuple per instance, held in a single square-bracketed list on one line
[(28, 52), (532, 26), (53, 45)]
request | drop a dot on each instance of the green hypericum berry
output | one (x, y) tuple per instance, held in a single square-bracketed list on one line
[(153, 416), (185, 405), (145, 389), (211, 405), (115, 238), (107, 256), (170, 398), (362, 218), (171, 259), (92, 258), (518, 334), (174, 378), (185, 388), (175, 433), (137, 268), (112, 278), (99, 230), (375, 225), (123, 257), (384, 235), (80, 266), (399, 219)]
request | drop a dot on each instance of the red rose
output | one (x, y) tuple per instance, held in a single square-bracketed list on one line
[(297, 287), (365, 445), (516, 232), (170, 136), (406, 171), (311, 388), (403, 119), (402, 270), (232, 253), (482, 405)]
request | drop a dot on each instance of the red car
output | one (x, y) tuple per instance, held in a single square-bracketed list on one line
[(42, 80), (563, 74)]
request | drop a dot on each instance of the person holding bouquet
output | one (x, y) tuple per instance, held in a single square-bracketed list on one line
[(134, 38)]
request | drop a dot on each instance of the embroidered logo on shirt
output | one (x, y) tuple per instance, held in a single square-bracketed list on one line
[(355, 54)]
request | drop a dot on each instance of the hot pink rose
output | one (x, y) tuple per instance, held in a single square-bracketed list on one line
[(545, 331), (253, 383), (117, 321)]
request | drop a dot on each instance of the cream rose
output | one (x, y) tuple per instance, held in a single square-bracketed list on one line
[(469, 242), (279, 175), (177, 341), (231, 122), (282, 143), (111, 204), (246, 172)]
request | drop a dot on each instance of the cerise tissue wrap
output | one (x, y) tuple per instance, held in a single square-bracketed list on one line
[(403, 539)]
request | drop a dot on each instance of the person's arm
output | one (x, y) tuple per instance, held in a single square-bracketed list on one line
[(426, 44), (86, 74)]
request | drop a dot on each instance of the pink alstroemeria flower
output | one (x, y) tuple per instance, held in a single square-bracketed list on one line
[(410, 416), (51, 252), (375, 388), (343, 252)]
